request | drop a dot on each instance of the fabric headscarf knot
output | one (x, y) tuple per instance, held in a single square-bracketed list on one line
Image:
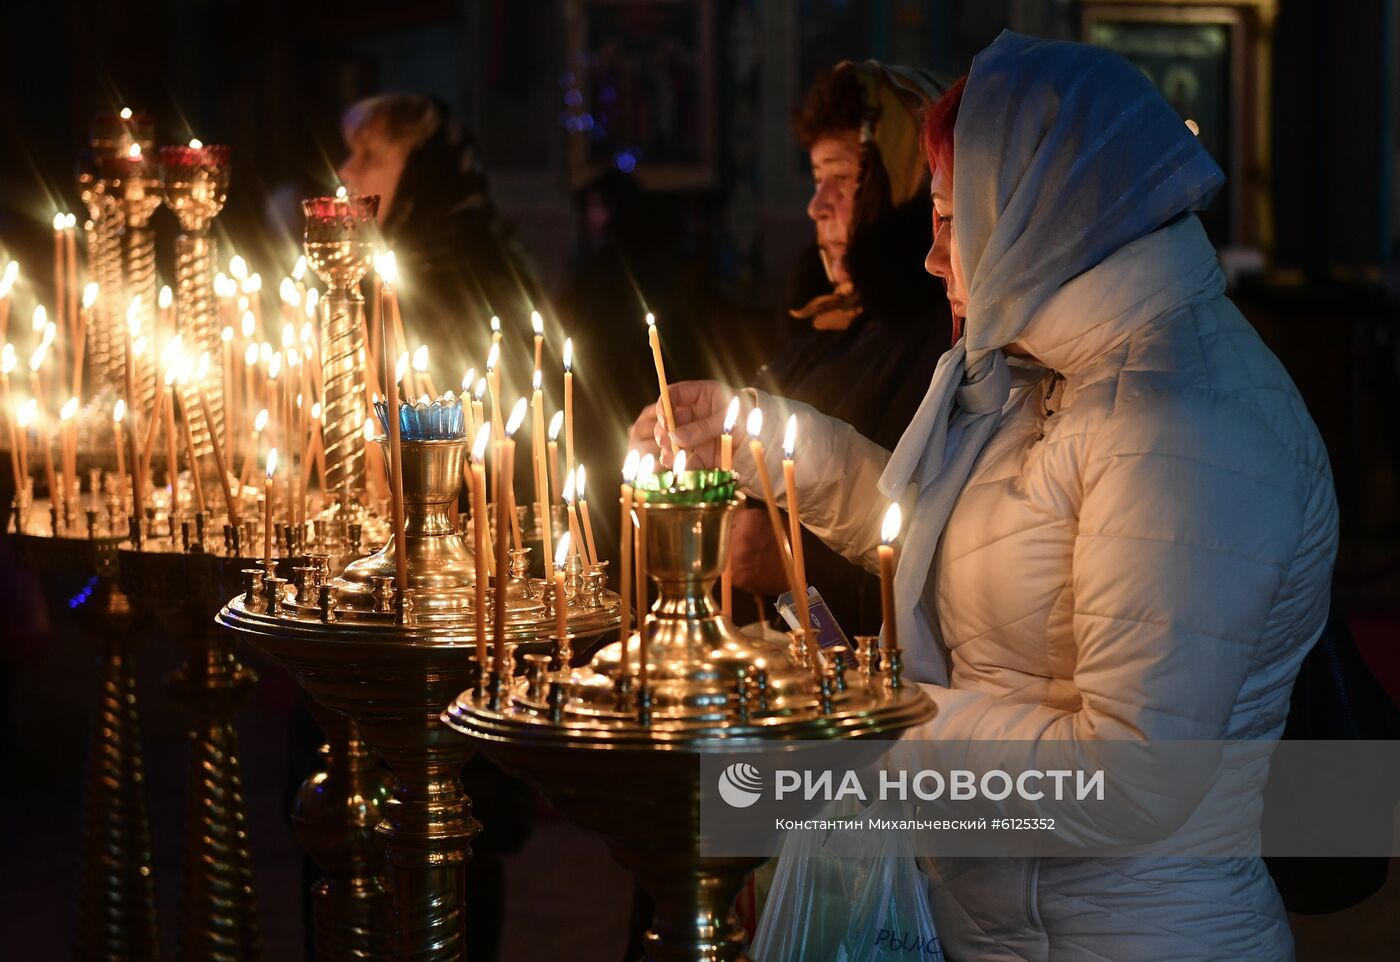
[(1063, 153)]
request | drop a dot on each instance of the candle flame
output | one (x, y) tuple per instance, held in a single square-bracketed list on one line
[(480, 391), (226, 335), (316, 410), (36, 359), (755, 423), (561, 554), (249, 323), (203, 367), (517, 415), (254, 283), (424, 399), (41, 317), (636, 521), (59, 220), (341, 193), (271, 463), (289, 336), (119, 410), (293, 357), (134, 151), (731, 415), (468, 380), (196, 144), (308, 334), (274, 366), (483, 437), (89, 295), (7, 359), (630, 465), (569, 354), (387, 264), (26, 412), (420, 359), (493, 357), (537, 323), (70, 408), (369, 429), (260, 422), (50, 332), (7, 280), (250, 356), (171, 373), (679, 466), (165, 298), (138, 346), (568, 491), (313, 298), (401, 366), (555, 424), (579, 479), (238, 267), (265, 352), (538, 380), (646, 468), (651, 319), (889, 528), (71, 221), (133, 316), (790, 437), (495, 324), (125, 113), (299, 268), (287, 290)]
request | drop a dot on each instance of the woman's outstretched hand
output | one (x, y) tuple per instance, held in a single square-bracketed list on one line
[(699, 408)]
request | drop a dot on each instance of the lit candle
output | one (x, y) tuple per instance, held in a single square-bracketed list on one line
[(505, 455), (118, 414), (579, 480), (133, 322), (569, 404), (7, 283), (726, 463), (22, 418), (655, 341), (538, 443), (70, 243), (219, 461), (165, 301), (561, 606), (755, 429), (495, 330), (517, 416), (267, 509), (172, 458), (537, 323), (799, 565), (555, 423), (259, 423), (480, 529), (60, 221), (889, 531), (68, 450), (390, 275), (80, 338), (624, 579), (493, 379), (425, 378), (468, 409), (646, 468), (478, 405)]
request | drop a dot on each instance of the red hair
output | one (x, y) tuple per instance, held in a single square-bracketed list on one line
[(940, 118)]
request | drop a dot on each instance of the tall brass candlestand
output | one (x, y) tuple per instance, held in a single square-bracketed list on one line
[(135, 185), (340, 234), (626, 762), (116, 880), (344, 639), (196, 186)]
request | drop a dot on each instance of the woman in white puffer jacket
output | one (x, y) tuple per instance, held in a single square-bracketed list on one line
[(1126, 532)]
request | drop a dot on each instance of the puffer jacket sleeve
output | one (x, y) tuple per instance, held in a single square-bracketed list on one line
[(1191, 520), (837, 470)]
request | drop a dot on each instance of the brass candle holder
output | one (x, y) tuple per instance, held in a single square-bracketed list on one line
[(134, 185), (196, 186), (340, 238), (624, 760), (391, 673)]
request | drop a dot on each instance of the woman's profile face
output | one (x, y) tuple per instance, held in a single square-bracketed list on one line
[(943, 260), (835, 175), (375, 163)]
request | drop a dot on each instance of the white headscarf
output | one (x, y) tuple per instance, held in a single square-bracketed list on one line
[(1063, 153)]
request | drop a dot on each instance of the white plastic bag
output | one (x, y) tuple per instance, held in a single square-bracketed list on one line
[(847, 896)]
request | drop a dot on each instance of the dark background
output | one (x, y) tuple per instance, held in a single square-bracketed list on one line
[(272, 78)]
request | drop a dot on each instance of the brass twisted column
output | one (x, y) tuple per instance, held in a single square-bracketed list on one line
[(218, 917), (105, 348), (116, 884), (339, 248), (196, 186), (335, 817), (135, 185)]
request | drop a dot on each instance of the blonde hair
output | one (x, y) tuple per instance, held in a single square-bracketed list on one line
[(408, 118)]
